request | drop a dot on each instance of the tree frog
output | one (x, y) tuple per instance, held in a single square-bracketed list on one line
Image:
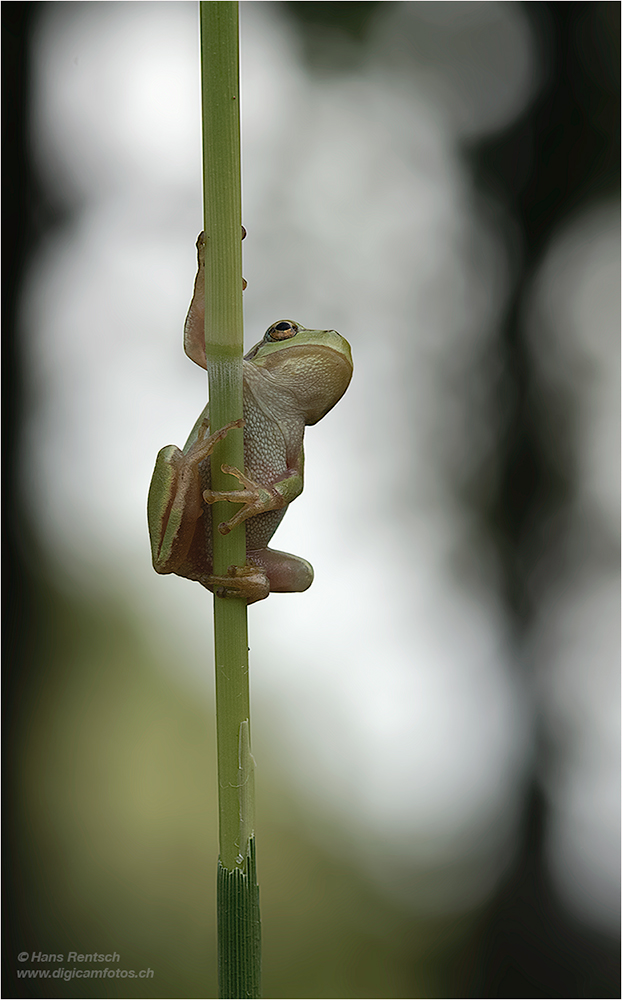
[(292, 378)]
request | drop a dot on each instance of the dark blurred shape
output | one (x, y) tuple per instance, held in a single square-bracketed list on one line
[(559, 156), (525, 945), (333, 34), (17, 19), (350, 18), (22, 598)]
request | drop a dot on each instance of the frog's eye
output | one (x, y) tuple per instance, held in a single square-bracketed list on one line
[(282, 330)]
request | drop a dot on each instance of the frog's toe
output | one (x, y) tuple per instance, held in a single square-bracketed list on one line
[(249, 583)]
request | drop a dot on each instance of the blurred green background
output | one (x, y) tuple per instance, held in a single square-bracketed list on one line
[(115, 838)]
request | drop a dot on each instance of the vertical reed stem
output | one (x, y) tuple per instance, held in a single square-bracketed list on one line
[(239, 941)]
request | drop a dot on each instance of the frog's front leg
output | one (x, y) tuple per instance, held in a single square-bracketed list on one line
[(257, 498), (175, 505)]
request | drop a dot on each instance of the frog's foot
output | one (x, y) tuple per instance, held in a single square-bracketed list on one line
[(247, 582), (257, 499), (204, 446)]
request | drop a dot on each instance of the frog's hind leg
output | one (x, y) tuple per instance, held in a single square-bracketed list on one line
[(287, 573)]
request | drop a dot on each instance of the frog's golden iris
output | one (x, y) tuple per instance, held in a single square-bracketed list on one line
[(282, 330)]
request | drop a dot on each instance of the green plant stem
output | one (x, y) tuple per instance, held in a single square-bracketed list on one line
[(238, 901)]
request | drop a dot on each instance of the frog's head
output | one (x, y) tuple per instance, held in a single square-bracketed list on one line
[(315, 366)]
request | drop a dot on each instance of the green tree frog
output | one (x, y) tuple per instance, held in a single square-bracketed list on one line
[(292, 378)]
